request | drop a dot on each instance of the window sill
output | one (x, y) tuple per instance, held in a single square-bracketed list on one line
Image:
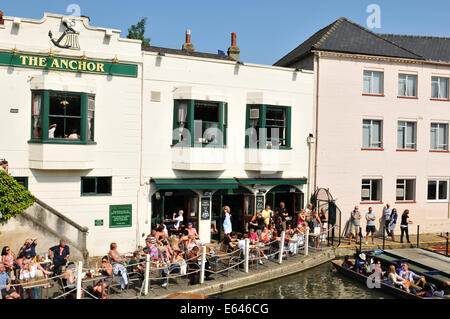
[(376, 95), (439, 151), (437, 201), (441, 100), (372, 149), (95, 195), (406, 202), (198, 146), (62, 141), (408, 97), (269, 148), (371, 203), (405, 150)]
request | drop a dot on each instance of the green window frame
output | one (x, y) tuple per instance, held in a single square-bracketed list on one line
[(262, 121), (189, 128), (45, 112), (22, 181), (94, 186)]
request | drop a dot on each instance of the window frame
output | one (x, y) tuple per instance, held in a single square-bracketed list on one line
[(262, 143), (446, 125), (45, 118), (438, 180), (405, 136), (371, 180), (371, 83), (22, 180), (371, 147), (439, 78), (405, 190), (95, 193), (416, 77), (190, 112)]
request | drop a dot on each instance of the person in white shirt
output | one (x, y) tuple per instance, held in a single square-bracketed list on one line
[(51, 131), (74, 135), (176, 221)]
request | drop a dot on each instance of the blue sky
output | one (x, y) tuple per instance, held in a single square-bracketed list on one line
[(266, 30)]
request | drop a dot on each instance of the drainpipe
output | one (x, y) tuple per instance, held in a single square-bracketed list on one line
[(316, 73), (138, 230)]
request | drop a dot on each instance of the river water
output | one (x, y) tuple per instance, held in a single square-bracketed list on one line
[(321, 282)]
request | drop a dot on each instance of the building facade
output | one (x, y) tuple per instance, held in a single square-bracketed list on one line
[(117, 136), (381, 121)]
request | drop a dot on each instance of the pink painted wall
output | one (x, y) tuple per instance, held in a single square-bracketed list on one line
[(342, 164)]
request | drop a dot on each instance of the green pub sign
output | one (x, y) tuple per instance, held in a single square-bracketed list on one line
[(98, 222), (120, 216)]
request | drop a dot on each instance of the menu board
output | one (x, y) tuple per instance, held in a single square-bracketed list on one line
[(120, 216), (205, 208), (259, 203)]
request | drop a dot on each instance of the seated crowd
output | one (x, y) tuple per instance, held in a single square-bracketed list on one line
[(398, 275)]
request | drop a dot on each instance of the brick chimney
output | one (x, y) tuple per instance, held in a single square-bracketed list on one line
[(2, 22), (188, 46), (233, 50)]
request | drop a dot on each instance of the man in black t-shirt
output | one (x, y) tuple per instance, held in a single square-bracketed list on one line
[(229, 241), (283, 214)]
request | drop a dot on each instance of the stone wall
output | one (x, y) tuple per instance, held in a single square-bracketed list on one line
[(49, 226)]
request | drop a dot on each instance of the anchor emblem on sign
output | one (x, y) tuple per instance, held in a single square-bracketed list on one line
[(70, 36)]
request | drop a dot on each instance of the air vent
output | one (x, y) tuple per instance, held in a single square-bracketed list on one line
[(155, 96)]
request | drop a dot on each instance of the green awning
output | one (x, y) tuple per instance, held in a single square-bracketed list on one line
[(187, 183), (273, 181)]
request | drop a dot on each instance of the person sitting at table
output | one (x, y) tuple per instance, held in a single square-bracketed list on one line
[(28, 250), (29, 272), (40, 271), (176, 221), (253, 237), (9, 260), (69, 280), (7, 291), (229, 241), (192, 231), (265, 235), (151, 249), (175, 262), (107, 271), (134, 268), (115, 256), (60, 255), (190, 243)]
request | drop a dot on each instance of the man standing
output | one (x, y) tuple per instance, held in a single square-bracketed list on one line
[(267, 215), (60, 255), (387, 211), (370, 228), (354, 224), (7, 291), (283, 214)]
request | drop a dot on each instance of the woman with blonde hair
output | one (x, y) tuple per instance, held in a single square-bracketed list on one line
[(227, 229), (115, 256), (395, 279)]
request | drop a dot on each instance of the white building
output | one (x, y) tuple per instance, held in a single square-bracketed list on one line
[(112, 163)]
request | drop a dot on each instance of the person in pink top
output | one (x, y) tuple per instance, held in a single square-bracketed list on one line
[(253, 237)]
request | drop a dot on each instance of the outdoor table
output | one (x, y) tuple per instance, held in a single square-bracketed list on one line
[(35, 283)]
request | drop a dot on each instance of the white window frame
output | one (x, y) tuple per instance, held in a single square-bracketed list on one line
[(438, 180), (371, 82), (439, 78), (402, 184), (445, 146), (414, 76), (371, 142), (371, 185), (405, 127)]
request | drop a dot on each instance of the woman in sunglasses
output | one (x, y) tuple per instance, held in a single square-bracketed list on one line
[(107, 271)]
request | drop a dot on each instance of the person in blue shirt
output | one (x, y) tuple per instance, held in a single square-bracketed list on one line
[(7, 291), (28, 250), (393, 222), (60, 255)]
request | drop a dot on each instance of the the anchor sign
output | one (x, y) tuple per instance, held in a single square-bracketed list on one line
[(70, 35)]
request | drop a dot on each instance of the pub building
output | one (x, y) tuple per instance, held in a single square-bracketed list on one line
[(121, 135)]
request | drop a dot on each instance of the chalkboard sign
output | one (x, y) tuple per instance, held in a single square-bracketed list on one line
[(205, 208), (259, 203)]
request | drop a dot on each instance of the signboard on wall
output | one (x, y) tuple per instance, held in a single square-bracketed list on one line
[(205, 208), (259, 203), (120, 216)]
